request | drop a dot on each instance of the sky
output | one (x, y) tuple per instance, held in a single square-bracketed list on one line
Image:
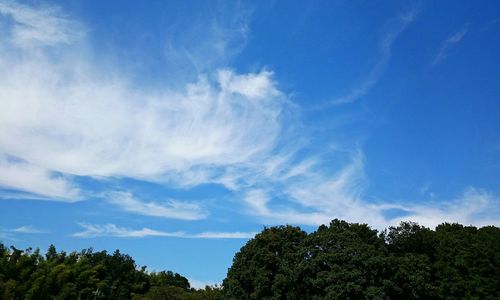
[(176, 130)]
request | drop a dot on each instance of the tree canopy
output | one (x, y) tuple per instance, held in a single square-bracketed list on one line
[(26, 274), (339, 261), (353, 261)]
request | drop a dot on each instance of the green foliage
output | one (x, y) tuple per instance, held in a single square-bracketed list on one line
[(168, 279), (352, 261), (468, 262), (25, 274), (339, 261), (263, 267), (344, 261)]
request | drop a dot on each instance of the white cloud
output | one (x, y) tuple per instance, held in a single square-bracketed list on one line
[(85, 118), (20, 175), (11, 234), (252, 86), (27, 230), (223, 128), (79, 117), (41, 26), (318, 196), (258, 204), (448, 43), (474, 207), (321, 198), (257, 200), (111, 230), (115, 231), (168, 209), (317, 190), (107, 129)]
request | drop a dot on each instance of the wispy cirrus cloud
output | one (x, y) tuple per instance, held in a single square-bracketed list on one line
[(91, 230), (210, 40), (316, 196), (341, 197), (76, 114), (38, 26), (451, 41), (41, 183), (27, 229), (167, 209), (224, 128), (90, 119), (259, 204), (11, 234), (111, 230), (93, 129), (385, 52), (474, 206)]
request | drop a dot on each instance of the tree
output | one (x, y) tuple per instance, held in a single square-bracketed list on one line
[(265, 267), (344, 261), (51, 253), (467, 262), (413, 252)]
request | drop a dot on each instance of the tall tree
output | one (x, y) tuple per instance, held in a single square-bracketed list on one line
[(345, 261), (265, 267)]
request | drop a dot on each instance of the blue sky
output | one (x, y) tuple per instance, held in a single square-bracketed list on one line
[(176, 130)]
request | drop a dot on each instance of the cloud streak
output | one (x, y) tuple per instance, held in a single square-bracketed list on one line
[(448, 44), (385, 52), (168, 209), (27, 230), (11, 234), (111, 230)]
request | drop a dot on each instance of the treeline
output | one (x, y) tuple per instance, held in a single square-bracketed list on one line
[(339, 261), (88, 275), (353, 261)]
